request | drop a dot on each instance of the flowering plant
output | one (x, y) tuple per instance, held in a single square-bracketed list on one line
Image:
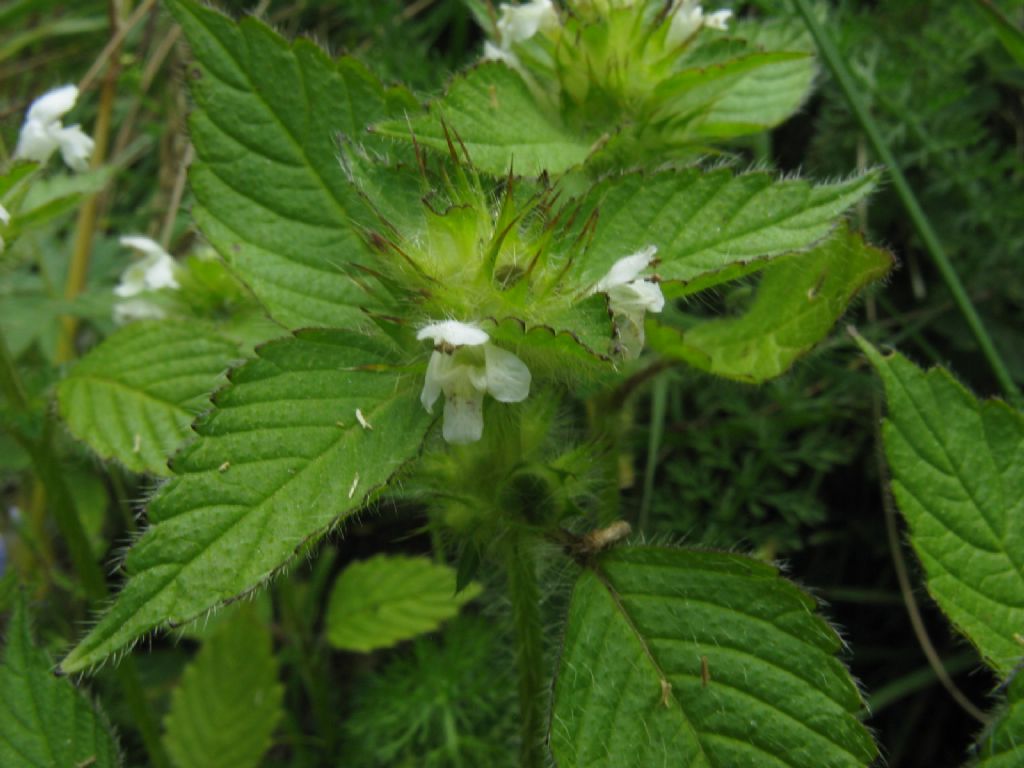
[(526, 246)]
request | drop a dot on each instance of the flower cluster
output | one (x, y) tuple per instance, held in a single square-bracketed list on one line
[(464, 367), (43, 133)]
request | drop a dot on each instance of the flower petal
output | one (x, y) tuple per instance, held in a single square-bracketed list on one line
[(53, 105), (454, 333), (463, 417), (5, 216), (75, 147), (142, 243), (432, 381), (626, 269), (508, 378), (35, 142), (159, 272), (636, 298), (521, 22), (718, 20)]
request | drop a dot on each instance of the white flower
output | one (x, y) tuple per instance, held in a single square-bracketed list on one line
[(630, 297), (521, 22), (688, 16), (465, 366), (42, 132), (151, 273)]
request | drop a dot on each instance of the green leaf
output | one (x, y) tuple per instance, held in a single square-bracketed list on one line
[(686, 658), (491, 110), (799, 300), (743, 95), (280, 459), (709, 227), (229, 701), (1002, 744), (273, 197), (133, 397), (382, 601), (44, 721), (766, 95), (957, 470)]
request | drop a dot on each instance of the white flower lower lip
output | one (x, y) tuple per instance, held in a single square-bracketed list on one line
[(465, 366)]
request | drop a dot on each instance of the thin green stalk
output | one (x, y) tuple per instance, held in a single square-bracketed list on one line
[(656, 431), (844, 78), (524, 595)]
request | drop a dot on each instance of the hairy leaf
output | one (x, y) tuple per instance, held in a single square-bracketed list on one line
[(799, 300), (764, 96), (1002, 744), (229, 701), (709, 227), (44, 721), (281, 458), (273, 197), (133, 397), (686, 658), (743, 95), (500, 123), (382, 601), (958, 477)]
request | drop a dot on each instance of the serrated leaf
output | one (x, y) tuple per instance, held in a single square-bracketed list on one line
[(280, 459), (228, 704), (743, 95), (764, 96), (382, 601), (499, 122), (685, 658), (133, 397), (44, 721), (1002, 744), (273, 197), (799, 300), (709, 227), (957, 470)]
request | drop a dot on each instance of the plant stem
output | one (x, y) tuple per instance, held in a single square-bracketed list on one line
[(844, 78), (524, 595)]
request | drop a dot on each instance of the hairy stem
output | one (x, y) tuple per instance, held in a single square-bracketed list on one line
[(844, 78), (524, 595)]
